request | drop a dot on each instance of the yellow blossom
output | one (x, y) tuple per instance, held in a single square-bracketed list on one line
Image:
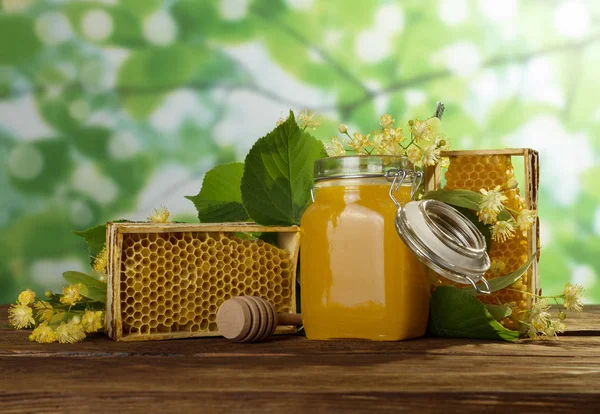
[(525, 220), (70, 294), (359, 143), (343, 128), (429, 156), (26, 297), (20, 316), (553, 328), (159, 215), (498, 267), (386, 121), (538, 318), (335, 148), (92, 321), (308, 118), (68, 333), (281, 121), (572, 296), (502, 231), (394, 135), (414, 155), (424, 156), (43, 311), (43, 334), (419, 129), (101, 260), (487, 216), (492, 200)]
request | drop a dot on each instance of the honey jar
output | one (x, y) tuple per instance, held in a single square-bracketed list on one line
[(366, 249)]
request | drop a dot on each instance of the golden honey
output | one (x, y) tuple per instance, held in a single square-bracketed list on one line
[(358, 279)]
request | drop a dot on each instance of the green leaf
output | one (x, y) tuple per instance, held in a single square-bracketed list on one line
[(499, 312), (95, 238), (502, 282), (90, 287), (220, 199), (278, 174), (457, 314), (93, 293), (460, 198), (74, 277), (18, 41)]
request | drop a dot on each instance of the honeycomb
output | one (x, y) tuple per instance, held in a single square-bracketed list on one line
[(172, 283), (473, 172)]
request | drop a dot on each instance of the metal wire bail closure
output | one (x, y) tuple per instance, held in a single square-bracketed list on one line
[(440, 236)]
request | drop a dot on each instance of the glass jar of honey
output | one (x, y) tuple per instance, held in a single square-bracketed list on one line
[(358, 278)]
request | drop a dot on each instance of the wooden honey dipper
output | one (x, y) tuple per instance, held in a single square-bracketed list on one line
[(251, 319)]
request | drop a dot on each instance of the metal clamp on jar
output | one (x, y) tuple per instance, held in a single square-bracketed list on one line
[(439, 235)]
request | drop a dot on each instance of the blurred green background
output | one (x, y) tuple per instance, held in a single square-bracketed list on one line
[(111, 108)]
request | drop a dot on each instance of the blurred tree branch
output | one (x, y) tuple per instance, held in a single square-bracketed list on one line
[(345, 108)]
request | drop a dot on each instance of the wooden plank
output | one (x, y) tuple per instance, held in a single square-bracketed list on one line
[(194, 227), (505, 151), (292, 374)]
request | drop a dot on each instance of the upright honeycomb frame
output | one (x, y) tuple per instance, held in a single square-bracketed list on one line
[(433, 178), (167, 280)]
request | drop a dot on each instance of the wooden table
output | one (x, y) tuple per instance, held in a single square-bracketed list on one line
[(292, 374)]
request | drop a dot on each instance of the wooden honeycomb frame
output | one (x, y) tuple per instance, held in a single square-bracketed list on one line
[(433, 177), (156, 291)]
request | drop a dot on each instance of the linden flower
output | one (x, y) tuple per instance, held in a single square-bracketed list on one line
[(92, 321), (43, 311), (68, 333), (70, 294), (343, 128), (525, 220), (280, 121), (572, 296), (492, 200), (394, 135), (487, 216), (335, 148), (20, 316), (429, 156), (419, 129), (101, 261), (387, 147), (498, 267), (159, 215), (386, 121), (502, 231), (26, 297), (359, 143), (43, 334), (554, 328), (539, 318), (308, 118), (414, 155)]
